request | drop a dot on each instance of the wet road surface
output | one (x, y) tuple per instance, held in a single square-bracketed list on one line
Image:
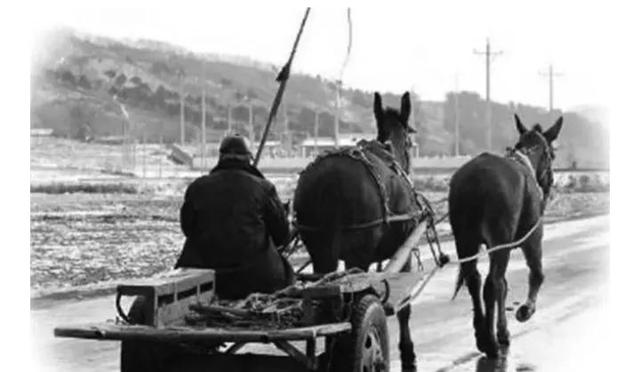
[(571, 307), (564, 333)]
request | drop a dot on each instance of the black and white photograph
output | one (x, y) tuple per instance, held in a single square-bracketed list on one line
[(265, 186)]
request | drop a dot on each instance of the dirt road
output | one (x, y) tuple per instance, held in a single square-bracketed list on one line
[(570, 314)]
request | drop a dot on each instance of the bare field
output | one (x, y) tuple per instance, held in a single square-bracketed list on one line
[(84, 239), (88, 241)]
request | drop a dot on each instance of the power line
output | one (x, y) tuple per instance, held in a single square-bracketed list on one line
[(488, 54)]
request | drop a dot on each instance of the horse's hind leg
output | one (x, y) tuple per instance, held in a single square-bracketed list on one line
[(468, 245), (407, 354), (490, 346), (492, 294), (504, 338), (499, 261), (473, 281), (532, 250)]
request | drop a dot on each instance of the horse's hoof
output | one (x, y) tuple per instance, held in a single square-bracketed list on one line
[(488, 346), (491, 349), (410, 368), (524, 313)]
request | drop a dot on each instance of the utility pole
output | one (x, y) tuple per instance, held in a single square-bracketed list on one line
[(251, 135), (229, 126), (160, 158), (488, 54), (286, 127), (415, 109), (144, 153), (457, 117), (181, 108), (336, 121), (203, 143), (550, 74), (316, 123), (126, 124), (134, 149)]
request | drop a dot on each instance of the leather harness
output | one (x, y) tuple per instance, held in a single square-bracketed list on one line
[(362, 152)]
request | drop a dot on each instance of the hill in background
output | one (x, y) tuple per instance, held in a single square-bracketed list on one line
[(75, 78)]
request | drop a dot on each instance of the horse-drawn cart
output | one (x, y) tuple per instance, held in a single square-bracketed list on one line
[(177, 330)]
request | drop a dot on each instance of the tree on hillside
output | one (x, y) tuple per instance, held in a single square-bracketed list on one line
[(121, 79), (136, 80), (82, 116), (83, 82), (67, 77), (159, 96), (160, 68), (360, 98)]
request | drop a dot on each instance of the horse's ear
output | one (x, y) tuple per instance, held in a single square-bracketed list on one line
[(377, 106), (405, 108), (521, 128), (552, 133)]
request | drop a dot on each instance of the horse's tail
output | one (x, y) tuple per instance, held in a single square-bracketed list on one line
[(333, 223), (324, 238), (466, 268), (459, 282)]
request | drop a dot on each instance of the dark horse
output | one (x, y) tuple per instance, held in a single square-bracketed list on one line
[(494, 200), (345, 200)]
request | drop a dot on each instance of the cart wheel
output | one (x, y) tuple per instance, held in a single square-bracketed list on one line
[(143, 356), (366, 348)]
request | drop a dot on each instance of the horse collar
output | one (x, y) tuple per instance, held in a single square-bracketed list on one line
[(524, 159), (520, 157)]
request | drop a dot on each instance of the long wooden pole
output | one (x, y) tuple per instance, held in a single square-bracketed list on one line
[(282, 78)]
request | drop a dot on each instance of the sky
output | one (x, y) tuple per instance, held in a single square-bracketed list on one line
[(421, 48)]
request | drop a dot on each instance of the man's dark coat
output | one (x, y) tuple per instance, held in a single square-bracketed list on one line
[(233, 220)]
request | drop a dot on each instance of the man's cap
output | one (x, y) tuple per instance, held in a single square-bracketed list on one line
[(235, 144)]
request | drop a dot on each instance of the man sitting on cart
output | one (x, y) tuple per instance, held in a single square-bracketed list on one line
[(233, 221)]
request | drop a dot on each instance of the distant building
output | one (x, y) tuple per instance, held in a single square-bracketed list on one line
[(110, 140), (271, 148), (316, 145), (41, 132)]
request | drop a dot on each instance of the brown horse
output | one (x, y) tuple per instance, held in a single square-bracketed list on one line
[(495, 200), (345, 200)]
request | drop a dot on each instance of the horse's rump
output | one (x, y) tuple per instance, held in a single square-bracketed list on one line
[(342, 200), (492, 193)]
